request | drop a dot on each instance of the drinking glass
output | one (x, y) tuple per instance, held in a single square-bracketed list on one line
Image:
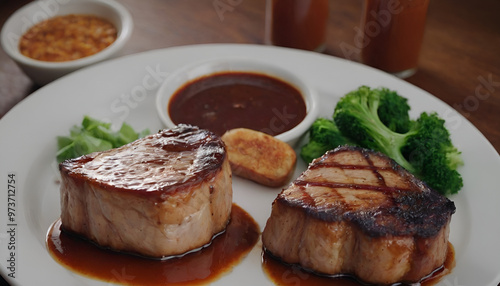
[(299, 24), (393, 33)]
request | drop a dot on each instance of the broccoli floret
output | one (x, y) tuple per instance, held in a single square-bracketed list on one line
[(393, 110), (323, 136), (356, 116), (326, 132), (425, 148), (313, 150), (431, 153)]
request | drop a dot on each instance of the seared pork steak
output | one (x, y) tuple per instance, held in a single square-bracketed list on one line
[(162, 195), (357, 212)]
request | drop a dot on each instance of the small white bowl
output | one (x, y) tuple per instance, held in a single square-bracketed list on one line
[(180, 77), (43, 72)]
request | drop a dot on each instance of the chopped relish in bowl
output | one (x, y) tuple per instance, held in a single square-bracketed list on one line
[(68, 37)]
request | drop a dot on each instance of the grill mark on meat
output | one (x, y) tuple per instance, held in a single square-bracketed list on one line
[(350, 186), (404, 211), (373, 168), (306, 198), (370, 167), (357, 211), (332, 215), (352, 167)]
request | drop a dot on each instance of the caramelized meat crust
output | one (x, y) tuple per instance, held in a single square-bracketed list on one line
[(166, 194), (355, 211), (161, 163)]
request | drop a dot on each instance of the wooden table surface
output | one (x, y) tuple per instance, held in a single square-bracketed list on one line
[(460, 58)]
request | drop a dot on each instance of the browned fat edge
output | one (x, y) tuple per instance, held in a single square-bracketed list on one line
[(408, 222), (408, 208)]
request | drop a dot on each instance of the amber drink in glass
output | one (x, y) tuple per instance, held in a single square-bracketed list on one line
[(299, 24), (393, 33)]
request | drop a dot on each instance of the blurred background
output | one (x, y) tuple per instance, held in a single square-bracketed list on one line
[(459, 57)]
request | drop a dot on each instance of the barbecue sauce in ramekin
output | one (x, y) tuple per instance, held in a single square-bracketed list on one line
[(228, 100)]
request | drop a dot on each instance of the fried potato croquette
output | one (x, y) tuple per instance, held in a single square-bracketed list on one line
[(259, 157)]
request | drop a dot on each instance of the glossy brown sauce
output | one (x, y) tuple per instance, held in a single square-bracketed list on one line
[(229, 100), (287, 274), (200, 267), (139, 167)]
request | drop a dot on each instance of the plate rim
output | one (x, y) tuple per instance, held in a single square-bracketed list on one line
[(11, 116)]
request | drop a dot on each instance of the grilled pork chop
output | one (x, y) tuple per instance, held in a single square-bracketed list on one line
[(162, 195), (357, 212)]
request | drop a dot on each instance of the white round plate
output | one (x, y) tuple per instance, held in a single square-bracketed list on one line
[(124, 90)]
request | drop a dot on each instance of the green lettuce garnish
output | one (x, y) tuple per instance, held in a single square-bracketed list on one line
[(94, 135)]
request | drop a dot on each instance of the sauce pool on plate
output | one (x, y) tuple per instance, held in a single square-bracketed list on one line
[(199, 267), (286, 274), (228, 100)]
